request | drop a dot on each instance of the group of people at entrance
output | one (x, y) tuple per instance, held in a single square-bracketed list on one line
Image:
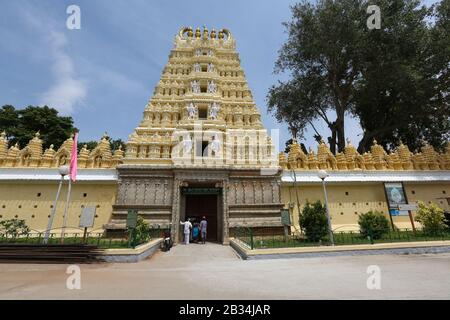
[(195, 232)]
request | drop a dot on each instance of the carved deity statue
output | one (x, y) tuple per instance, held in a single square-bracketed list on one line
[(191, 110), (198, 52), (195, 86), (197, 67), (210, 67), (214, 110), (212, 87), (210, 53)]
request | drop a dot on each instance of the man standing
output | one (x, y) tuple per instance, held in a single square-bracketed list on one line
[(187, 230), (203, 226)]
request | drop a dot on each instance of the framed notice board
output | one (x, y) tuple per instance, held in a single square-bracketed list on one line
[(132, 218)]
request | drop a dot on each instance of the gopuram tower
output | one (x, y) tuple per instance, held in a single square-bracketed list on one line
[(200, 149)]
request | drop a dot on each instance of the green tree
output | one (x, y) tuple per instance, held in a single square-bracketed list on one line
[(394, 79), (14, 228), (373, 224), (431, 218), (322, 56), (313, 221), (141, 233), (21, 125), (400, 96)]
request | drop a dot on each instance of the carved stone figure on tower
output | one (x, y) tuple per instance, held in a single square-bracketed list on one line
[(197, 67), (210, 67), (212, 87), (214, 110), (195, 86), (191, 110)]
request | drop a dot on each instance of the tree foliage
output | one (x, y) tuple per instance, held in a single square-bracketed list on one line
[(393, 79), (373, 224), (21, 125), (431, 218), (14, 228), (313, 221)]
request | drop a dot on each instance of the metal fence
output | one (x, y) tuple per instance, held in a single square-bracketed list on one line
[(96, 238), (257, 239)]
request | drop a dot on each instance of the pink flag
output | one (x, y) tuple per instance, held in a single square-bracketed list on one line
[(73, 158)]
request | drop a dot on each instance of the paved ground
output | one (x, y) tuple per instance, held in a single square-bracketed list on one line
[(214, 271)]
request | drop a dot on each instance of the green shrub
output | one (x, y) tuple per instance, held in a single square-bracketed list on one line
[(313, 221), (14, 228), (141, 233), (431, 218), (373, 224)]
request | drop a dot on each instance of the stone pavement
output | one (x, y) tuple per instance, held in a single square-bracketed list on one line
[(213, 271)]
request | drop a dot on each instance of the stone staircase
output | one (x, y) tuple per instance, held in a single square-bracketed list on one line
[(38, 253)]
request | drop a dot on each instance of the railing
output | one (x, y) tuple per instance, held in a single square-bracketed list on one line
[(95, 238), (269, 239)]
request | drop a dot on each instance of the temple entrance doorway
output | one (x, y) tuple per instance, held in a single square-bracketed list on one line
[(203, 201)]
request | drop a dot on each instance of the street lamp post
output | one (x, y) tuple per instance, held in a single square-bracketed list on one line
[(322, 174), (63, 171)]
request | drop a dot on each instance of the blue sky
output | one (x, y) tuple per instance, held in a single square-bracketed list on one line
[(104, 74)]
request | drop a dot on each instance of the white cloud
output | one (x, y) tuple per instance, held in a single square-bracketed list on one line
[(68, 91)]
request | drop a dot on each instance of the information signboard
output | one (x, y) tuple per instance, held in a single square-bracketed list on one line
[(132, 218), (395, 195), (87, 217), (285, 217)]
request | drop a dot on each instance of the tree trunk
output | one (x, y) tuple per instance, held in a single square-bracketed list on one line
[(340, 130), (365, 143), (332, 139)]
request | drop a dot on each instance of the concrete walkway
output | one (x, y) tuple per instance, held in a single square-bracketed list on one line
[(213, 271)]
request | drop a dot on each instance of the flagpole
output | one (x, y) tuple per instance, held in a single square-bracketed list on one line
[(72, 177), (63, 170), (66, 207)]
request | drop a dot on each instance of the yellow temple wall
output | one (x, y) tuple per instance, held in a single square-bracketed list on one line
[(32, 202), (348, 200)]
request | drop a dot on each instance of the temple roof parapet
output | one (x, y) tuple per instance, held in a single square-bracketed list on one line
[(33, 155), (376, 159)]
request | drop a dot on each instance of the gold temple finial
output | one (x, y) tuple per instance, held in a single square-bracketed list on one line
[(213, 33), (198, 33), (205, 32), (221, 34)]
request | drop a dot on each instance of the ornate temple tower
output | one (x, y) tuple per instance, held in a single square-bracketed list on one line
[(201, 135)]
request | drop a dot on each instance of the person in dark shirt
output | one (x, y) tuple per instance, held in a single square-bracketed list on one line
[(167, 241), (203, 228)]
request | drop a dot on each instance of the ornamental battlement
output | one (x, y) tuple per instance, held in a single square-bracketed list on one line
[(376, 159), (33, 156)]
